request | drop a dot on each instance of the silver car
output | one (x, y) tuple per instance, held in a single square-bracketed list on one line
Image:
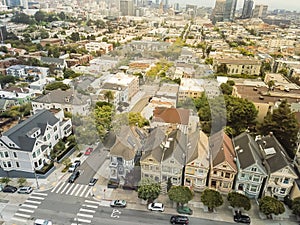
[(25, 190)]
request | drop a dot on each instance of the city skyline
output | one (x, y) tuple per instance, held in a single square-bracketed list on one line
[(272, 4)]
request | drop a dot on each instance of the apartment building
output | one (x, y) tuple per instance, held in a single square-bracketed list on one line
[(102, 47), (26, 147), (239, 66), (24, 72), (190, 88)]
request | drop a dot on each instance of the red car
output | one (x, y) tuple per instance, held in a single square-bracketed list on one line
[(88, 151)]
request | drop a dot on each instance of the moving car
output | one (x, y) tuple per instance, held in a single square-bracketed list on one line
[(118, 203), (42, 222), (73, 167), (239, 218), (78, 162), (184, 210), (156, 206), (74, 176), (88, 151), (9, 189), (179, 220), (93, 181), (25, 190)]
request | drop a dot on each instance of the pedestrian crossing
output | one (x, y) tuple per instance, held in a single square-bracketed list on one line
[(86, 212), (26, 210), (78, 190)]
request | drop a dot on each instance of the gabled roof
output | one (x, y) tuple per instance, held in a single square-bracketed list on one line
[(126, 144), (18, 133), (247, 151), (63, 97), (171, 115), (222, 150), (273, 153), (153, 144)]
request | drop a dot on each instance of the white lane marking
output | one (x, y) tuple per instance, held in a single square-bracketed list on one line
[(65, 188), (85, 215), (92, 202), (88, 193), (22, 215), (83, 191), (87, 210), (26, 210), (75, 188), (18, 219), (33, 202), (29, 206), (39, 193), (82, 220), (77, 193), (61, 186), (90, 206), (71, 186), (36, 197), (58, 184)]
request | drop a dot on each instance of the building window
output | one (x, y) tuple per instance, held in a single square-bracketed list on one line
[(55, 128), (243, 175), (34, 155), (6, 154), (225, 185), (227, 175), (282, 191), (286, 180), (8, 164), (17, 164), (215, 172), (15, 154), (253, 169), (1, 155), (4, 164), (253, 188), (56, 136), (256, 179)]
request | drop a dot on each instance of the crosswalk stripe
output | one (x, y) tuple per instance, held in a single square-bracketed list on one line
[(71, 186), (36, 197), (88, 193), (22, 215), (93, 202), (77, 193), (87, 210), (58, 184), (26, 210), (61, 186), (75, 188), (85, 215), (83, 220), (68, 184), (75, 224), (86, 187), (34, 202), (19, 219), (29, 206), (90, 206), (39, 193)]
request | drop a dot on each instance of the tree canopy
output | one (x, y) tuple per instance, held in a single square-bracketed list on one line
[(283, 124), (180, 194), (148, 189), (57, 85), (238, 200), (296, 206), (269, 205), (211, 198)]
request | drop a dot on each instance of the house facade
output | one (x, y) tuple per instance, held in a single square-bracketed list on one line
[(251, 172), (222, 165), (69, 101), (26, 147), (23, 71), (239, 66)]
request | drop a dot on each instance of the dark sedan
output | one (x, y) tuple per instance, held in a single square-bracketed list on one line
[(9, 189), (239, 218)]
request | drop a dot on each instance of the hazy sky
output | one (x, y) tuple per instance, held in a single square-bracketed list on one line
[(273, 4)]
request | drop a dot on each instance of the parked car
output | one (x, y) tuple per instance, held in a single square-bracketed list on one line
[(25, 190), (184, 210), (73, 167), (78, 162), (88, 151), (9, 189), (118, 203), (113, 184), (240, 218), (179, 220), (74, 176), (93, 181), (42, 222), (156, 206)]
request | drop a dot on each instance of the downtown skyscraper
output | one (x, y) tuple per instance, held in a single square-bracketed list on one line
[(247, 9), (224, 10)]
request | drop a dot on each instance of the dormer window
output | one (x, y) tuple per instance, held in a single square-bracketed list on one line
[(253, 169)]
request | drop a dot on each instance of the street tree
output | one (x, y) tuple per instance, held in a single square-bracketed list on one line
[(148, 190), (270, 205), (296, 206), (282, 122), (21, 181), (212, 199), (226, 89), (109, 96), (238, 200), (180, 194), (136, 119), (271, 84), (5, 180), (66, 162)]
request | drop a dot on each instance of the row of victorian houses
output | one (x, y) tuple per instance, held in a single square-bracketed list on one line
[(255, 166)]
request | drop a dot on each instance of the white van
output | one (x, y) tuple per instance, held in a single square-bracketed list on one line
[(42, 222)]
